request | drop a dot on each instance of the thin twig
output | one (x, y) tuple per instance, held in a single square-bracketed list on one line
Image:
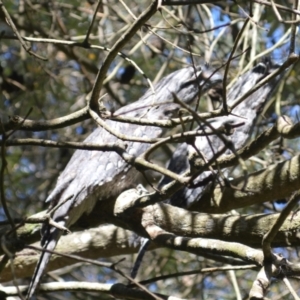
[(294, 28), (86, 40), (111, 266), (236, 42), (15, 30), (270, 235)]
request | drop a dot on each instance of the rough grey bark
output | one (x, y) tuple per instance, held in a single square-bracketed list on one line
[(92, 176)]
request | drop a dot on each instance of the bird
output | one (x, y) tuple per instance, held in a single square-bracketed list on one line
[(92, 176), (244, 114)]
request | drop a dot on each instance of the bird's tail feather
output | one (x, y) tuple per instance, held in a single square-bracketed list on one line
[(50, 244), (144, 247)]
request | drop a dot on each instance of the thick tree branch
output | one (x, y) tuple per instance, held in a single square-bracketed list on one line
[(275, 182), (109, 240), (283, 128), (116, 290)]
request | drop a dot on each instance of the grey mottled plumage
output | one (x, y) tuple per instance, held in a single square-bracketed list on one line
[(246, 112), (92, 176)]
